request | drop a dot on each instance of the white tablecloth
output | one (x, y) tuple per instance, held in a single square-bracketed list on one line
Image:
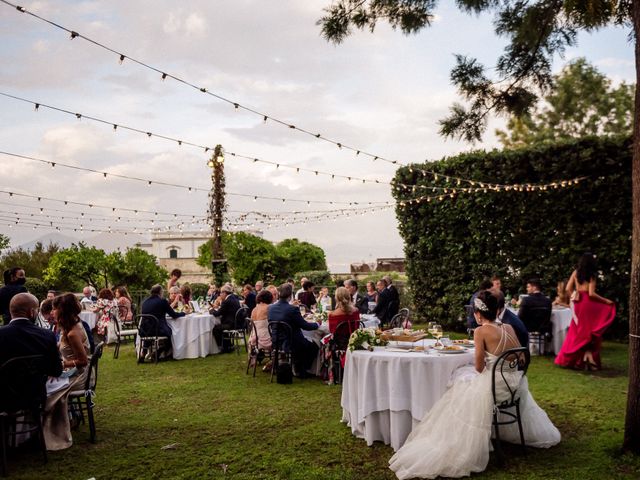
[(192, 336), (560, 321), (90, 317), (370, 320), (384, 393)]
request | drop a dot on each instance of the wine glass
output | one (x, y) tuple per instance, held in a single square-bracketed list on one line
[(430, 327), (303, 310), (437, 332)]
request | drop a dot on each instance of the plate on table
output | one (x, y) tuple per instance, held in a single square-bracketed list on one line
[(450, 349), (465, 342)]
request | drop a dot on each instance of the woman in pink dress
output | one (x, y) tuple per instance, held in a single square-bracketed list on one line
[(592, 314)]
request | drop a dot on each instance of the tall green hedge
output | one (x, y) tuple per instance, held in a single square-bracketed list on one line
[(450, 245)]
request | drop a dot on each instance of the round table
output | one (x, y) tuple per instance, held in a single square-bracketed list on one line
[(90, 317), (385, 393), (560, 321), (192, 337)]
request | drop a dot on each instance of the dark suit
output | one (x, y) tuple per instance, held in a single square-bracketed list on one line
[(227, 313), (159, 308), (303, 350), (22, 337), (382, 307), (250, 301), (510, 318), (394, 301), (6, 294), (535, 312), (361, 303)]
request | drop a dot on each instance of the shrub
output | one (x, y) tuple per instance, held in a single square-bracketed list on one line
[(450, 245), (37, 287), (318, 277), (198, 290)]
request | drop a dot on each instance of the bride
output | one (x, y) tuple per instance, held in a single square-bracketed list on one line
[(454, 437)]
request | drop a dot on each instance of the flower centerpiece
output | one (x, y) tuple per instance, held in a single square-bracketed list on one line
[(320, 317), (366, 339)]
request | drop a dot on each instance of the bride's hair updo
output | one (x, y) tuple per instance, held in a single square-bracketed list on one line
[(486, 304)]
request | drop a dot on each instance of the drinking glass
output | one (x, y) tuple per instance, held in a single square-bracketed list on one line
[(438, 332), (303, 310)]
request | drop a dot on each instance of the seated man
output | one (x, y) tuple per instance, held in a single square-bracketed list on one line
[(87, 296), (359, 300), (229, 305), (23, 337), (507, 317), (159, 307), (486, 284), (303, 350), (249, 297), (535, 308)]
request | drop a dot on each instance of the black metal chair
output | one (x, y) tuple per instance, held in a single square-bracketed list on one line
[(82, 400), (256, 353), (148, 326), (510, 362), (22, 380), (400, 319), (281, 342), (538, 323), (338, 345), (238, 331), (124, 330)]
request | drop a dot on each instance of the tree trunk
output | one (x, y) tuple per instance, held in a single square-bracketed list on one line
[(632, 420)]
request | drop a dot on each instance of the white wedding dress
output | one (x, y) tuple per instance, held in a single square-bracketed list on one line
[(454, 437)]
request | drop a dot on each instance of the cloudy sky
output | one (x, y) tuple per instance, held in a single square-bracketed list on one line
[(381, 93)]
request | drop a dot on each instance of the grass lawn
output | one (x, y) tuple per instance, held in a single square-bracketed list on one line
[(221, 419)]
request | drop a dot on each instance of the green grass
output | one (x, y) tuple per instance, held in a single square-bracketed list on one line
[(218, 416)]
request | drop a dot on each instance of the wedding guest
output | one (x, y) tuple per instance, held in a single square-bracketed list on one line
[(382, 307), (592, 314), (324, 299), (123, 299), (259, 286), (249, 297), (259, 316), (46, 319), (463, 414), (87, 296), (372, 294), (274, 292), (507, 317), (307, 297), (534, 302), (176, 301), (51, 294), (303, 350), (229, 305), (486, 284), (212, 293), (302, 282), (394, 297), (21, 337), (159, 307), (185, 291), (174, 276), (103, 309), (75, 351), (496, 283), (14, 280), (359, 300), (345, 311), (562, 297)]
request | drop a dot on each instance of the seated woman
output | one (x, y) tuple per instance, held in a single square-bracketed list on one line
[(306, 297), (74, 350), (345, 311), (177, 302), (185, 291), (124, 304), (103, 308), (562, 298), (260, 320), (454, 437)]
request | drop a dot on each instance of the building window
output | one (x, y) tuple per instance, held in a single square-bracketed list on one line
[(173, 253)]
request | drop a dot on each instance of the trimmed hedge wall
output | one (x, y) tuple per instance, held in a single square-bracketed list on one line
[(450, 245)]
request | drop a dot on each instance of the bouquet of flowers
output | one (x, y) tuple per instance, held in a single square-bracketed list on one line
[(366, 339), (320, 317)]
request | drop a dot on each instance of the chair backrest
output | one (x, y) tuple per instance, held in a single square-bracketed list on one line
[(281, 336), (147, 325), (396, 321), (506, 373), (92, 375), (240, 321), (123, 312), (537, 319), (22, 381), (392, 308), (342, 333)]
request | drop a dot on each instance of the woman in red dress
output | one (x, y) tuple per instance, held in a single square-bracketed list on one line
[(592, 314)]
